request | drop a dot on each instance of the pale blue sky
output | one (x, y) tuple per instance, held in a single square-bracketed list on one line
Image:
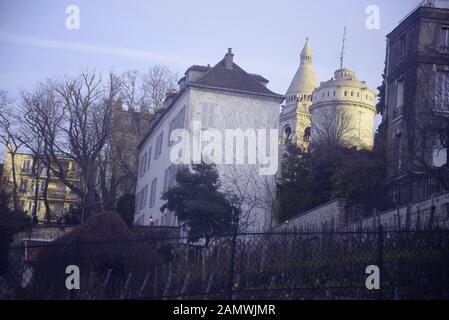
[(266, 36)]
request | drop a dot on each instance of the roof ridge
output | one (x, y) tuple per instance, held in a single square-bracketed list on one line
[(230, 79)]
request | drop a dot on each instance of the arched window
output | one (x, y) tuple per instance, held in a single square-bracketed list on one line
[(287, 133), (307, 133)]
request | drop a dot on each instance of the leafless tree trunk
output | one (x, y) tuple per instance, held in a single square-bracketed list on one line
[(332, 127), (8, 137), (73, 118), (251, 193)]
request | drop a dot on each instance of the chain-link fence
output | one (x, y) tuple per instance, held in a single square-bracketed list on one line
[(297, 265)]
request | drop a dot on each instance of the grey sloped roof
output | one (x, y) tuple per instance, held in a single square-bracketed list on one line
[(235, 79)]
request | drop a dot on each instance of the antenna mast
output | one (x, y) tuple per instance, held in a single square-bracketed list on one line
[(342, 54)]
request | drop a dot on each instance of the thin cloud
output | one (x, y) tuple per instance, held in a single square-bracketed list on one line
[(19, 39)]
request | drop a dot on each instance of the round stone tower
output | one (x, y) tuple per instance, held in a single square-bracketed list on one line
[(343, 111)]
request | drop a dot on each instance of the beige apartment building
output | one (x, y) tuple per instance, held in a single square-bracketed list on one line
[(31, 186)]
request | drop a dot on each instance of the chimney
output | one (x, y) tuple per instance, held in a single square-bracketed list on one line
[(169, 97), (229, 57)]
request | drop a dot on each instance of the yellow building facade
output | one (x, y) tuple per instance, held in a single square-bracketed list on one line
[(31, 186)]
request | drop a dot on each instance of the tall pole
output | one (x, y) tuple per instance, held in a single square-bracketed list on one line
[(342, 54)]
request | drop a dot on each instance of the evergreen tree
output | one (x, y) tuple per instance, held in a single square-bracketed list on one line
[(198, 203)]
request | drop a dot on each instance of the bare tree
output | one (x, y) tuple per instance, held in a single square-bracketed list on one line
[(251, 193), (139, 96), (73, 119), (332, 127), (156, 82), (9, 138)]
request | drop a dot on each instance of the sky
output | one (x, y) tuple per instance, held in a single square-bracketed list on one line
[(266, 37)]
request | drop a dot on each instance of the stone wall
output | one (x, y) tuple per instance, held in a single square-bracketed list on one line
[(431, 212), (328, 216), (427, 213)]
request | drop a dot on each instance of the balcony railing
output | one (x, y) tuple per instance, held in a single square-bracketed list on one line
[(27, 171), (58, 194), (414, 187)]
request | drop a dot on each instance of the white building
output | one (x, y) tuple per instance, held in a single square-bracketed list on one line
[(223, 97), (295, 120), (343, 110)]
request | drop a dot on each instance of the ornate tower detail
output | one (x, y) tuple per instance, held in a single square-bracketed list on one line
[(295, 120)]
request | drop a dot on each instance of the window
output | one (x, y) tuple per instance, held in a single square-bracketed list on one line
[(442, 91), (23, 185), (346, 93), (287, 134), (307, 133), (208, 115), (153, 193), (149, 158), (169, 178), (444, 38), (399, 151), (159, 145), (176, 123), (26, 165), (399, 93), (142, 198), (402, 46), (143, 164)]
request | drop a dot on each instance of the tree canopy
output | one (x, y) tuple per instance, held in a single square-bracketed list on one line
[(198, 203), (327, 172)]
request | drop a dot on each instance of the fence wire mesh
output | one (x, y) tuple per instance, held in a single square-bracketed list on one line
[(297, 265)]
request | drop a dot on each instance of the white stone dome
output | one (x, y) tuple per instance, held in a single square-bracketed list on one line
[(344, 99), (344, 86)]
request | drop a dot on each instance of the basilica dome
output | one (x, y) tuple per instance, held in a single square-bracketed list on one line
[(343, 108)]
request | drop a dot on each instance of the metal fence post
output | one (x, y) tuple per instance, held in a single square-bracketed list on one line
[(235, 218), (380, 258), (446, 262)]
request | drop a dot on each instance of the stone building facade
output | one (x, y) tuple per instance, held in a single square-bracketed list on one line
[(417, 66)]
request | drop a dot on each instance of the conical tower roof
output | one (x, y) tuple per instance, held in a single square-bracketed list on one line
[(304, 80)]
